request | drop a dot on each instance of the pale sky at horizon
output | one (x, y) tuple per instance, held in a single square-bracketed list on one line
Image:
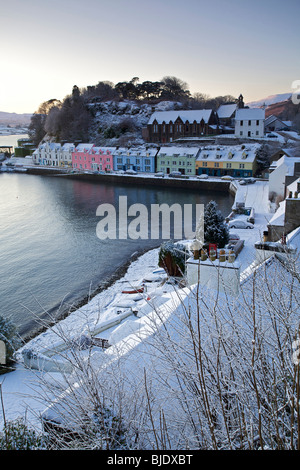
[(218, 48)]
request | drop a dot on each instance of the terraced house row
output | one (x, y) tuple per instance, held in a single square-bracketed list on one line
[(236, 161)]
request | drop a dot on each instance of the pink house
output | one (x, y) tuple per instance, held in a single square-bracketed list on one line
[(91, 158)]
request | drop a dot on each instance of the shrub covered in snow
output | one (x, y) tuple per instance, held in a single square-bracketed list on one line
[(172, 257)]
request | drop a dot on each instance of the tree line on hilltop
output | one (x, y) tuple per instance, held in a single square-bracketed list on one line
[(71, 118)]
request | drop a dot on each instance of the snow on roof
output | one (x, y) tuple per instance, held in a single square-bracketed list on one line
[(292, 152), (136, 151), (279, 215), (84, 147), (289, 163), (293, 238), (230, 153), (50, 145), (103, 150), (190, 116), (226, 110), (249, 113), (68, 146), (271, 119), (182, 151)]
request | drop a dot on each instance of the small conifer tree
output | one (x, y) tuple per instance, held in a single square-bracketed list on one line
[(215, 229)]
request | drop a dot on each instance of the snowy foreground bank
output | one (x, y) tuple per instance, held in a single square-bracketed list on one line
[(111, 316)]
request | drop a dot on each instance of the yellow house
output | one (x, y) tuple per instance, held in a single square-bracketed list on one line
[(237, 161)]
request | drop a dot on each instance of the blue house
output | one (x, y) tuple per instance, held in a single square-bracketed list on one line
[(140, 159)]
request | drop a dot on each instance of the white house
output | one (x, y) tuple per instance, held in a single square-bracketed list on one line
[(53, 154), (249, 122), (65, 157), (279, 170), (47, 154)]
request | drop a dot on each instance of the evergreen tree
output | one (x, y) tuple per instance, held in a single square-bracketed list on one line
[(215, 229)]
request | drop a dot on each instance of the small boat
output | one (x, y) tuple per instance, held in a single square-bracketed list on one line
[(133, 290)]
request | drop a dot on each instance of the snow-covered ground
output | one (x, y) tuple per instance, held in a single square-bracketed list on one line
[(106, 315)]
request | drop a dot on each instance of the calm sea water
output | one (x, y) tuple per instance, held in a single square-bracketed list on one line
[(50, 256), (11, 140)]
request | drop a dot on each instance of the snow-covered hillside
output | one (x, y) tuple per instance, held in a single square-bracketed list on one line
[(272, 99), (110, 117)]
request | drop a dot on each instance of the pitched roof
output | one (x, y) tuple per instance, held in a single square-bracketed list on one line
[(234, 153), (271, 119), (226, 110), (190, 116), (182, 151), (84, 147), (249, 113)]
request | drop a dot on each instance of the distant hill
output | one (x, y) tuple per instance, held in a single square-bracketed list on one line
[(14, 119), (270, 100)]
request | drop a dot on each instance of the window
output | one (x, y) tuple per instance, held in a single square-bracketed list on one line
[(241, 165), (119, 160), (147, 161), (257, 132), (249, 122), (228, 165), (241, 132), (204, 164), (257, 122), (216, 165), (242, 122)]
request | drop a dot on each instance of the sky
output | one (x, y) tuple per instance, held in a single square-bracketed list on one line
[(222, 47)]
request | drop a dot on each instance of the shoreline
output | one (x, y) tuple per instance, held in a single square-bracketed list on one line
[(184, 184), (213, 183), (104, 285)]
